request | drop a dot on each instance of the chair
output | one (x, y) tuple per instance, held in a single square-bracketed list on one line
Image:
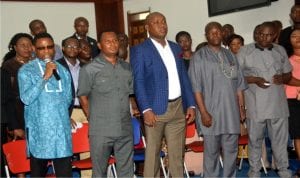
[(195, 146), (80, 141), (140, 145), (16, 157), (243, 141)]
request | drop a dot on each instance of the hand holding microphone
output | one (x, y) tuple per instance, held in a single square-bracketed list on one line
[(50, 69)]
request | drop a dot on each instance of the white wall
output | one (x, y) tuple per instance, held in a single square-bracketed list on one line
[(189, 15), (192, 16), (58, 18)]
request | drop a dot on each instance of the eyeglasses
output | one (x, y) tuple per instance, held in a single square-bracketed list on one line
[(72, 47), (266, 34), (45, 47)]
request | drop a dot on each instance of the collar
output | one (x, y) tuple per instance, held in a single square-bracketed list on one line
[(262, 49), (103, 59), (69, 64), (156, 44), (78, 37)]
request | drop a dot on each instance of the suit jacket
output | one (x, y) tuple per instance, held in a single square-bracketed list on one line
[(64, 63), (92, 42), (151, 77)]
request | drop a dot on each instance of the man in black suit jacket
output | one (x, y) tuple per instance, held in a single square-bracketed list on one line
[(71, 62), (81, 26)]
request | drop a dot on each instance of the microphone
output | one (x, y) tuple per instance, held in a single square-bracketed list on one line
[(57, 77)]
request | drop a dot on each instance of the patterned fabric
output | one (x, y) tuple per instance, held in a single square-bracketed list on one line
[(47, 121)]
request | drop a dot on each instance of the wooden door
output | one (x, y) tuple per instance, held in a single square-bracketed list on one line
[(136, 27)]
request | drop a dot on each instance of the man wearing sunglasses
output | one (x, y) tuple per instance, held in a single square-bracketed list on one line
[(46, 98)]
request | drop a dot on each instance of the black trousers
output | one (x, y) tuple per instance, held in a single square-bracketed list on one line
[(62, 167), (3, 140)]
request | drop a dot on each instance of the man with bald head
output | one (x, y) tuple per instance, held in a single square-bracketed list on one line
[(81, 25), (218, 85), (164, 95)]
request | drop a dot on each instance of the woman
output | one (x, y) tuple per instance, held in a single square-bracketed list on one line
[(293, 93), (184, 39), (20, 52), (235, 42)]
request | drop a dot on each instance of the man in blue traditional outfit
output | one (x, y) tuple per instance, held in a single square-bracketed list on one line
[(46, 99)]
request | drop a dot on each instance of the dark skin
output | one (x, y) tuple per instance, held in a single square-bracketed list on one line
[(48, 51), (109, 46), (295, 16), (157, 27), (214, 39), (265, 38), (186, 44)]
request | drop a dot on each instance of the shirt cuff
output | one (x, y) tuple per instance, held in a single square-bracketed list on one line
[(193, 107), (148, 109)]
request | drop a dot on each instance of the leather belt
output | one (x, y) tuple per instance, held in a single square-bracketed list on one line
[(172, 100), (77, 107)]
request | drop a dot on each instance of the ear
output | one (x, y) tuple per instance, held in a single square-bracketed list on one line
[(147, 27), (99, 45)]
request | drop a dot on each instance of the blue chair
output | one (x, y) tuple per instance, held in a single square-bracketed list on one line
[(140, 145)]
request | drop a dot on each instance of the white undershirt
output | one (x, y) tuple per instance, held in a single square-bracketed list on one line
[(170, 64)]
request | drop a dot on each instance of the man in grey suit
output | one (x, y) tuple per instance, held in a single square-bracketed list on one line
[(104, 88), (266, 68)]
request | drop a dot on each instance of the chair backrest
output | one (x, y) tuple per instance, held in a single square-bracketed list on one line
[(80, 139), (136, 130), (16, 157), (190, 130)]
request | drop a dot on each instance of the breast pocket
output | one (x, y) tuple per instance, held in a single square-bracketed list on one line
[(103, 84)]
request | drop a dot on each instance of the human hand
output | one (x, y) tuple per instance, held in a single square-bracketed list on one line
[(135, 111), (190, 115), (278, 79), (206, 119), (18, 133), (50, 66), (261, 82), (150, 118), (73, 124)]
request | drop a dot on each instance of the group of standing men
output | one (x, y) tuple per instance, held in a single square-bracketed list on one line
[(166, 98)]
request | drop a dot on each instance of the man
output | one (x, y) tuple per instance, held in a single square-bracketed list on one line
[(81, 26), (164, 95), (123, 49), (227, 31), (284, 38), (218, 85), (71, 62), (104, 88), (266, 68), (85, 54), (37, 26), (46, 100)]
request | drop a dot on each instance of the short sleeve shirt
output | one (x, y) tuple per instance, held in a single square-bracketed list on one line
[(271, 102), (108, 88)]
